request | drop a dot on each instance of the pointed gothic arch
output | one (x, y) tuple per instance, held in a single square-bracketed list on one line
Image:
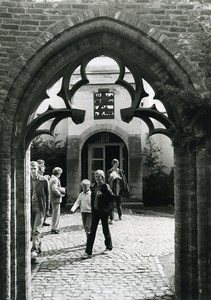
[(68, 43)]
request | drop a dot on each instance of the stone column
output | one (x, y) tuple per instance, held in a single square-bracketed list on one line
[(204, 219), (185, 222), (73, 170), (13, 231), (22, 177), (135, 171), (5, 225)]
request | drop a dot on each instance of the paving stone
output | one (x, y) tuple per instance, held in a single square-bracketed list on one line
[(133, 270)]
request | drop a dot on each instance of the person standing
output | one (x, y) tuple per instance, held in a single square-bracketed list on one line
[(41, 171), (101, 199), (42, 168), (40, 204), (117, 181), (56, 194), (84, 202)]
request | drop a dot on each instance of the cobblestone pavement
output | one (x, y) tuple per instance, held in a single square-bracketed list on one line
[(135, 269)]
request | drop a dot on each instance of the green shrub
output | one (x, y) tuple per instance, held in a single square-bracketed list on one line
[(54, 153), (159, 189), (158, 186)]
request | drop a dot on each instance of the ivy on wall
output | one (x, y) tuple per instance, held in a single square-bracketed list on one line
[(194, 108)]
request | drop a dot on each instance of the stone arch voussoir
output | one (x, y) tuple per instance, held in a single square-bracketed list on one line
[(104, 127), (112, 16)]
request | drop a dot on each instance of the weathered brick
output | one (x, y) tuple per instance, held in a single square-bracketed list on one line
[(40, 17), (9, 26), (21, 16), (8, 39), (28, 28), (3, 32), (17, 33), (175, 11), (5, 15), (11, 21), (9, 4), (33, 33), (177, 29), (185, 6), (30, 22), (17, 10), (34, 11)]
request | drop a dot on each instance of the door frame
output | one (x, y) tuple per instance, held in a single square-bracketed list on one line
[(98, 145)]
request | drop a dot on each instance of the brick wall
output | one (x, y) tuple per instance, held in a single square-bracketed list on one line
[(21, 23)]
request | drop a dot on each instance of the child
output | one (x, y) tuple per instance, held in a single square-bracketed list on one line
[(84, 201)]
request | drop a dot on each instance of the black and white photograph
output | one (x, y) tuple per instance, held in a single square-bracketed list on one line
[(105, 149)]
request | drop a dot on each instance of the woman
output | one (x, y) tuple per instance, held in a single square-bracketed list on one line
[(101, 200)]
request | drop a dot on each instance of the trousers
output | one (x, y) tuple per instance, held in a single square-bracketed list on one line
[(96, 217), (118, 202), (36, 227), (55, 216), (87, 220)]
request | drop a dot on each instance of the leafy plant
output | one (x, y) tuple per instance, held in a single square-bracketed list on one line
[(193, 108), (158, 185), (152, 158), (53, 152)]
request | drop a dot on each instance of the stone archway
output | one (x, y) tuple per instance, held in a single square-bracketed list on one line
[(89, 34)]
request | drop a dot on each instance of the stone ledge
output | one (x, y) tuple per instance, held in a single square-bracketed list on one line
[(132, 204)]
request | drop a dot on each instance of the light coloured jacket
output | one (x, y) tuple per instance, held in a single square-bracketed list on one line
[(84, 202), (56, 191)]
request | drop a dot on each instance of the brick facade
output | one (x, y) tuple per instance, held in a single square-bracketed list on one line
[(37, 40)]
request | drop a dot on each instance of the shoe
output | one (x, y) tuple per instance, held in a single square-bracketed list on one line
[(106, 251), (120, 217), (34, 257), (111, 222), (46, 224), (55, 231), (34, 261), (85, 256)]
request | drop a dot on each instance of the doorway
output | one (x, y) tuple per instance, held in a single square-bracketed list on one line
[(98, 152), (100, 157)]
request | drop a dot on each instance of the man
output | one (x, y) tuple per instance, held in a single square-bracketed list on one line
[(117, 181), (41, 171), (56, 194), (40, 203)]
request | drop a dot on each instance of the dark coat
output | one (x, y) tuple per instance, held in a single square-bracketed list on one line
[(105, 200), (42, 191)]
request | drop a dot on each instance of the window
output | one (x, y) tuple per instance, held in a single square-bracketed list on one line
[(103, 105)]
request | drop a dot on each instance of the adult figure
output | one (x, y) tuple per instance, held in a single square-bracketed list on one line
[(56, 194), (118, 183), (42, 168), (84, 202), (101, 199), (41, 171), (40, 203)]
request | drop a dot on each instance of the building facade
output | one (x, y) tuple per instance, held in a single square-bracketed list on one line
[(103, 135)]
